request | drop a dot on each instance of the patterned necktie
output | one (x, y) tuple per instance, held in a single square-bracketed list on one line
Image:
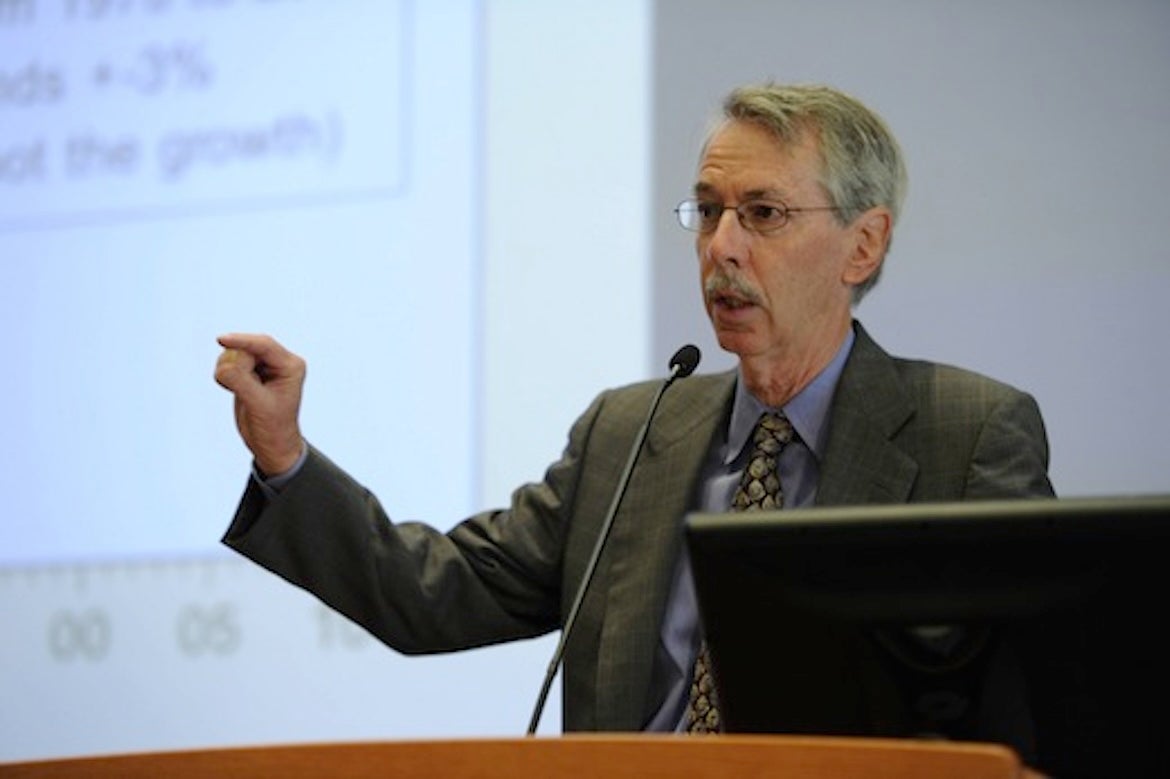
[(758, 490)]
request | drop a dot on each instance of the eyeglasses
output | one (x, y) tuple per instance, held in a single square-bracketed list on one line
[(758, 216)]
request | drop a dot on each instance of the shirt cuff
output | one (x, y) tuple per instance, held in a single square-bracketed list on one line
[(272, 485)]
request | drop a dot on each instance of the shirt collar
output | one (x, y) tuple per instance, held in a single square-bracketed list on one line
[(808, 411)]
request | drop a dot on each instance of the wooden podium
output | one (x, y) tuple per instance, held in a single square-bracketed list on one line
[(575, 756)]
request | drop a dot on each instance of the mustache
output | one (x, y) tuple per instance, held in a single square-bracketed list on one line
[(722, 284)]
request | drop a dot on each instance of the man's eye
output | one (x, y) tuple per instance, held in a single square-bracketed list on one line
[(709, 210), (765, 213)]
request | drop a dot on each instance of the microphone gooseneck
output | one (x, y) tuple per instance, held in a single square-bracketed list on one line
[(681, 365)]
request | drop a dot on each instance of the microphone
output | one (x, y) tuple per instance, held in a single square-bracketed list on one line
[(682, 364)]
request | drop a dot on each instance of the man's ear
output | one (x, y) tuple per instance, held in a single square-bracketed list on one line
[(872, 232)]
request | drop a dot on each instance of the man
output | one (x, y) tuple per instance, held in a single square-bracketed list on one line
[(794, 204)]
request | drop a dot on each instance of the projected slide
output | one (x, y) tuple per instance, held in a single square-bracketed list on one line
[(170, 171), (174, 169)]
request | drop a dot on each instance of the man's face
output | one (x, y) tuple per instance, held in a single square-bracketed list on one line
[(786, 294)]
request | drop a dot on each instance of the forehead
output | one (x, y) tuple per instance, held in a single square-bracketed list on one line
[(743, 157)]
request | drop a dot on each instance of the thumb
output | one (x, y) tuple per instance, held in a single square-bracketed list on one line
[(236, 371)]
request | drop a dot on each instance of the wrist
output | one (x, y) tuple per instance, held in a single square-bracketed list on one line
[(275, 465)]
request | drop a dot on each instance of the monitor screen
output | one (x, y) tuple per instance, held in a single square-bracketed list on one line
[(1032, 623)]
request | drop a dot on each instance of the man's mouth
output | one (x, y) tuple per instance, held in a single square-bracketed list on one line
[(733, 302)]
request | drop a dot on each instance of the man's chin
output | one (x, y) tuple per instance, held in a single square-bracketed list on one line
[(741, 343)]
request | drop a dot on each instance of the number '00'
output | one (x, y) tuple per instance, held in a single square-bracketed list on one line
[(79, 635)]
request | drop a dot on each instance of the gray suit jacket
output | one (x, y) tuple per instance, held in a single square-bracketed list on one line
[(900, 431)]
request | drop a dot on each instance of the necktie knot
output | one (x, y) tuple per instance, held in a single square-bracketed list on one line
[(772, 431)]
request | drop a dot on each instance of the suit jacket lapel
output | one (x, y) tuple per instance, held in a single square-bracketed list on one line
[(646, 540), (862, 464)]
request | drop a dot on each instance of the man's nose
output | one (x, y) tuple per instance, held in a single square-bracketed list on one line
[(728, 241)]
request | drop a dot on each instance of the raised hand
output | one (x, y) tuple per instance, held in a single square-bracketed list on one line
[(266, 380)]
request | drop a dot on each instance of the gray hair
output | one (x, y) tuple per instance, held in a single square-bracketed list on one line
[(861, 163)]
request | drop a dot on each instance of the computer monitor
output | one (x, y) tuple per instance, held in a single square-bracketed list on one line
[(1034, 623)]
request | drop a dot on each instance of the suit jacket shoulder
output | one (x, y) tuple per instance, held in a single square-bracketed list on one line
[(911, 430)]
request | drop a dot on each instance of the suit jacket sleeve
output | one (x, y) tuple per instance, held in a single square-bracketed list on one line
[(495, 576)]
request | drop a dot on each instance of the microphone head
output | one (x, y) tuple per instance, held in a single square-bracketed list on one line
[(685, 361)]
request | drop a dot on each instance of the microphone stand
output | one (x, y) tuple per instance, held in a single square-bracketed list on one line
[(682, 365)]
